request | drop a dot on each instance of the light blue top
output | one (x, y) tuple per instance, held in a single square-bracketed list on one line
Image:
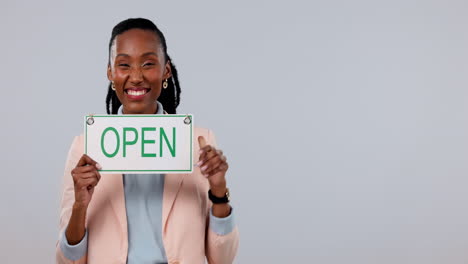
[(143, 203)]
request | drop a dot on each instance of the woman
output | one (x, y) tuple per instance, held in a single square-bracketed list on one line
[(178, 218)]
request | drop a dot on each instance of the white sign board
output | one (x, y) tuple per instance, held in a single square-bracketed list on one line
[(140, 143)]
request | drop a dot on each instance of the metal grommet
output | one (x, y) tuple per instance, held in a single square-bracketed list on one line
[(187, 120), (90, 120)]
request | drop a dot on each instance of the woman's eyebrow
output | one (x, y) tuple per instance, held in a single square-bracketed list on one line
[(122, 55), (149, 53), (143, 55)]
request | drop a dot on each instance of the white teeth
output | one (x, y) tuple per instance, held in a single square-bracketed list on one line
[(136, 93)]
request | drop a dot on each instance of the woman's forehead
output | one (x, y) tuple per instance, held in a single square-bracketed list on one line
[(137, 41)]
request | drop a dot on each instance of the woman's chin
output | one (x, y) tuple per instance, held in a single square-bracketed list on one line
[(137, 108)]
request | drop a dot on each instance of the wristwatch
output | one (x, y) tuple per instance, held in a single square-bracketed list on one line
[(219, 200)]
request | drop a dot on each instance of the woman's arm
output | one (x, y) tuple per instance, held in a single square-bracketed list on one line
[(222, 238), (80, 178), (76, 226)]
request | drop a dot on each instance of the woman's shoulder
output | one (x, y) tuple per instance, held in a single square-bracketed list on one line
[(77, 144), (201, 131), (77, 139)]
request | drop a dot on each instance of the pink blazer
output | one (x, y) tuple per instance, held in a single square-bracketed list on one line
[(185, 213)]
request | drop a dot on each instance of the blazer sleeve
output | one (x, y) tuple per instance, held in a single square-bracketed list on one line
[(68, 198), (220, 249)]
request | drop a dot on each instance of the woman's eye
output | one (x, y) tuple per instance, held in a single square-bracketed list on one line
[(123, 65), (148, 64)]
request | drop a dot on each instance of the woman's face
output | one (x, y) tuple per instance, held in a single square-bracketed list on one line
[(137, 68)]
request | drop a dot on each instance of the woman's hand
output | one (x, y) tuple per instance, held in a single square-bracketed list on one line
[(213, 165), (85, 178)]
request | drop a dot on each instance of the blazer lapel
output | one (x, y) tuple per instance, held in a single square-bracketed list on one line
[(172, 184), (115, 193)]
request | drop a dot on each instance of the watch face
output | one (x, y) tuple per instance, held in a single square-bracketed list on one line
[(228, 195)]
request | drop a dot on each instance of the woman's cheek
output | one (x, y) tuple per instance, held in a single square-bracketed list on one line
[(153, 75), (120, 75)]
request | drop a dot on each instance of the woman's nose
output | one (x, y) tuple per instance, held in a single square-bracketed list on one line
[(136, 75)]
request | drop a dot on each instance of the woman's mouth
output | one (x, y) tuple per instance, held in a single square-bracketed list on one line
[(136, 93)]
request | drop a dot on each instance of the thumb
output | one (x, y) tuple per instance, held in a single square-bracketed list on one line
[(201, 141)]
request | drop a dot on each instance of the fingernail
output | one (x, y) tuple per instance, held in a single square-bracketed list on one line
[(200, 151), (199, 163), (204, 167), (98, 166)]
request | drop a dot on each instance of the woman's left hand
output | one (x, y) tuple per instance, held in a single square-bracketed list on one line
[(213, 165)]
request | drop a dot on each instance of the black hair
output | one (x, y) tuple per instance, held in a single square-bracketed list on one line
[(169, 97)]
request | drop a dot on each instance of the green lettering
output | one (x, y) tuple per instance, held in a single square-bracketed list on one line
[(117, 145), (143, 142), (126, 142), (162, 135)]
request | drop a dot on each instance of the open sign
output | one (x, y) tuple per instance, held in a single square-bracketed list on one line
[(140, 143)]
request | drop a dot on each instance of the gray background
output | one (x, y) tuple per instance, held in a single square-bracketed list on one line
[(345, 122)]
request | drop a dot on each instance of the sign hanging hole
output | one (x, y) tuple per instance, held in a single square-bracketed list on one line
[(187, 120), (90, 121)]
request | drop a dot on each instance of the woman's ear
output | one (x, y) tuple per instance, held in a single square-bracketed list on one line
[(167, 70), (109, 73)]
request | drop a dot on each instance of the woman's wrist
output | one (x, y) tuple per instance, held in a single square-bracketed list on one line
[(221, 210), (79, 207), (219, 190), (76, 225)]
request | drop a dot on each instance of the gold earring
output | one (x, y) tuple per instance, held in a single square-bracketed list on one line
[(113, 86), (165, 84)]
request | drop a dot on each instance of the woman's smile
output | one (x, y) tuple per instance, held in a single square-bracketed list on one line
[(136, 93)]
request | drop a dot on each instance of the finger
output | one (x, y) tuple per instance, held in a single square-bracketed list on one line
[(211, 165), (209, 153), (92, 173), (209, 162), (84, 183), (214, 156), (208, 149), (86, 160), (220, 153), (87, 175), (83, 169), (98, 175), (221, 168), (201, 142), (208, 156), (221, 164)]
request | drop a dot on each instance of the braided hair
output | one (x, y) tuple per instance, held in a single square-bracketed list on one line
[(170, 97)]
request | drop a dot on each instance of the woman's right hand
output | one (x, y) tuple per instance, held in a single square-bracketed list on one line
[(85, 178)]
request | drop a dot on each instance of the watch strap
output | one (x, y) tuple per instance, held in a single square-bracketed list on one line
[(219, 200)]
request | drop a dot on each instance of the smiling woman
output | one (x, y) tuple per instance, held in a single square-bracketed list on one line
[(132, 218), (138, 64)]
